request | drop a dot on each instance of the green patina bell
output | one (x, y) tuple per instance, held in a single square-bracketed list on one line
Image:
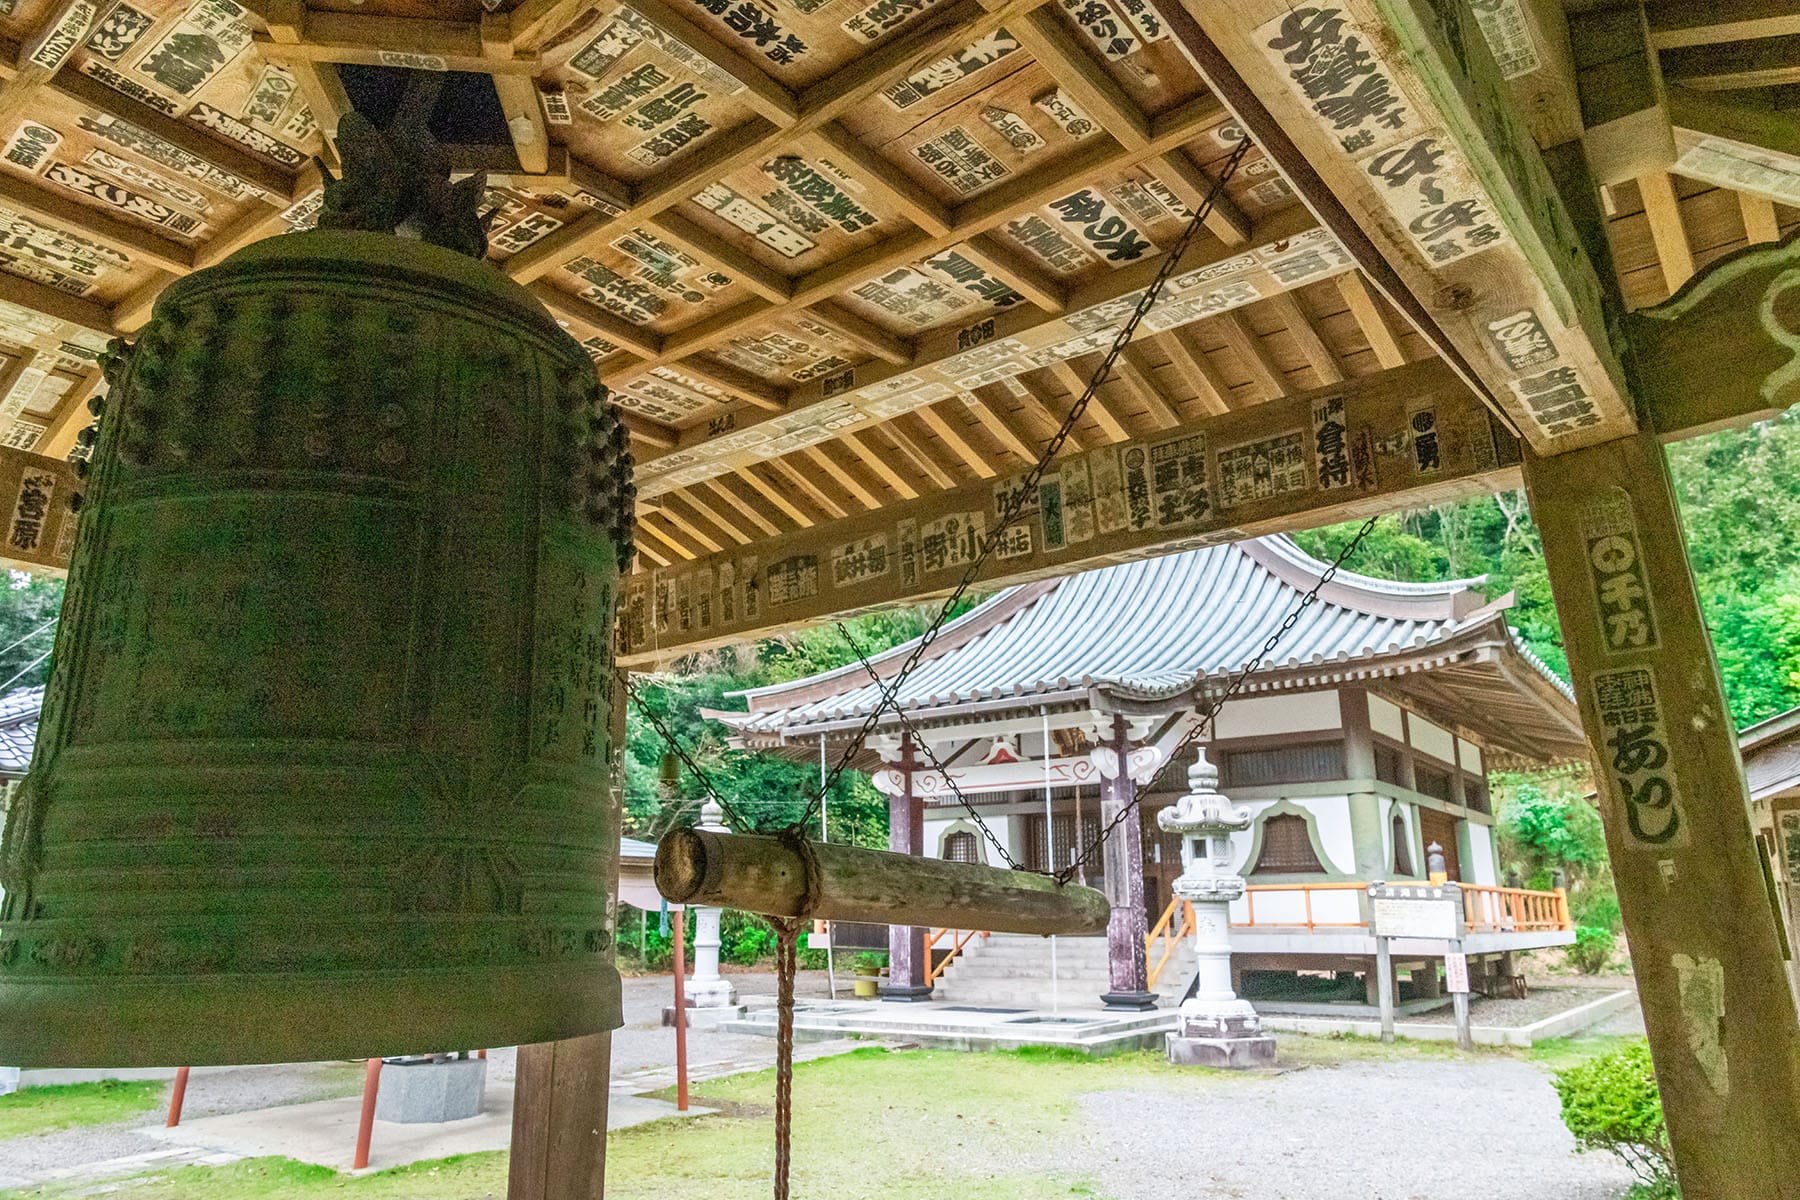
[(323, 766)]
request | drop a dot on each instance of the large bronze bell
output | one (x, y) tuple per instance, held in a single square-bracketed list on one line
[(323, 766)]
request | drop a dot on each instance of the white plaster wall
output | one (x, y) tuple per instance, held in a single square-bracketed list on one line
[(1262, 715), (1409, 815), (1471, 756), (1434, 740), (1331, 814), (1485, 867), (1384, 718), (937, 828)]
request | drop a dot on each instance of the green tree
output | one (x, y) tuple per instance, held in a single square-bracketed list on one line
[(28, 610)]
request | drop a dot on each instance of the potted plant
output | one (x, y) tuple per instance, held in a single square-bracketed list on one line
[(868, 975)]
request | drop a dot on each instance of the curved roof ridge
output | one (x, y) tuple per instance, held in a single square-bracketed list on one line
[(1284, 545)]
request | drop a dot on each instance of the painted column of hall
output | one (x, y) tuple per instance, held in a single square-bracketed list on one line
[(1703, 940)]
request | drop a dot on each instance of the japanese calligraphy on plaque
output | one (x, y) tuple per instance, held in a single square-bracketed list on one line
[(861, 560), (1331, 444), (1263, 470), (793, 579), (951, 69), (30, 508), (1636, 737), (1615, 560), (1092, 218), (953, 540), (1427, 444), (1420, 175)]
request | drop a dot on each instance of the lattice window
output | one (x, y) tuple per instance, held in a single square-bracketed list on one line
[(1311, 762), (962, 847), (1286, 848), (1389, 765), (1432, 782)]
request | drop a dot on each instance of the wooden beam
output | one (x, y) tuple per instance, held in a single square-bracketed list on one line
[(640, 341), (718, 520), (1478, 460), (1760, 224), (749, 511), (843, 476), (1454, 104), (324, 90), (876, 173), (1211, 392), (703, 244), (756, 391), (648, 431), (60, 209), (1133, 370), (647, 523), (668, 506), (1047, 418), (1018, 273), (1625, 122), (926, 464), (649, 551), (949, 432), (375, 41), (1049, 41), (1299, 326), (1265, 373), (775, 494), (867, 335), (1226, 221), (799, 479), (876, 462), (1759, 63), (1678, 23), (70, 418), (535, 22), (518, 97), (999, 428), (1372, 318), (28, 293), (1074, 380), (1663, 210), (44, 52), (761, 94)]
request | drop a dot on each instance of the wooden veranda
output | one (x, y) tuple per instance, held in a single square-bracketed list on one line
[(846, 266)]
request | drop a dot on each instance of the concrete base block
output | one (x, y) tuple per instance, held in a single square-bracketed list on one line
[(905, 993), (711, 993), (414, 1093), (1130, 1001), (1232, 1054)]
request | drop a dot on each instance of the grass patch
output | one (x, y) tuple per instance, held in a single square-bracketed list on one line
[(463, 1177), (66, 1105), (1556, 1054)]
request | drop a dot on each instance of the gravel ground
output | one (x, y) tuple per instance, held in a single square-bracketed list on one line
[(1416, 1130), (1505, 1012)]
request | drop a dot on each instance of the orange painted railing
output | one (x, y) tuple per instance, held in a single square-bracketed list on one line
[(1514, 910), (1306, 892), (1169, 931), (962, 937)]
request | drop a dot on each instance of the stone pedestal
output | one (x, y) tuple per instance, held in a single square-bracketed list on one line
[(709, 989), (1214, 1028), (424, 1092)]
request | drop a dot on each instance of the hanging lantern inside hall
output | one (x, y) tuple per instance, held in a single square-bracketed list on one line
[(323, 764)]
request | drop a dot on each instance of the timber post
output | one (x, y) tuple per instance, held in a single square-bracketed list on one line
[(1716, 1002), (1128, 968), (906, 835)]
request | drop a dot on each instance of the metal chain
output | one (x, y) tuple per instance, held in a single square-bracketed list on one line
[(932, 758), (1204, 721), (1013, 504), (680, 751)]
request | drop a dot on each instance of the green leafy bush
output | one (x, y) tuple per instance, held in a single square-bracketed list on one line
[(1593, 948), (745, 938), (1610, 1102)]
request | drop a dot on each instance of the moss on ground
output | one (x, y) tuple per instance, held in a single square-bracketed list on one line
[(66, 1105)]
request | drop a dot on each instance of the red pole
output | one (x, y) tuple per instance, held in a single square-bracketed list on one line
[(681, 1079), (365, 1128), (177, 1096)]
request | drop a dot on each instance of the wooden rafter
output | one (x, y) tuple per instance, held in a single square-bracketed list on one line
[(1212, 393), (1371, 315)]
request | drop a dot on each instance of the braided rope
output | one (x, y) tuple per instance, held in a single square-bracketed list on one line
[(787, 932)]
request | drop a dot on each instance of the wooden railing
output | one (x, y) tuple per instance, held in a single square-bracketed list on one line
[(961, 938), (1306, 919), (1514, 910), (1169, 931)]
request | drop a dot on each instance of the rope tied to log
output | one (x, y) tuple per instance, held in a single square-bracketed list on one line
[(787, 958)]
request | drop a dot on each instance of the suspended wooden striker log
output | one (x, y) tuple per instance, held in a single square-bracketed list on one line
[(766, 874)]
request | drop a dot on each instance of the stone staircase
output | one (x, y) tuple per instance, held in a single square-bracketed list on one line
[(1008, 970)]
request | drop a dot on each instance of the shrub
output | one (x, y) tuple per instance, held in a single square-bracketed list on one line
[(1610, 1102), (1592, 949)]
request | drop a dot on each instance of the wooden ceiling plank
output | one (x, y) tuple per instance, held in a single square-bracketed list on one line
[(1250, 350), (324, 90), (729, 527), (926, 464), (648, 431), (91, 93), (640, 341), (70, 418), (1211, 392), (812, 490), (1051, 42), (1663, 210), (1133, 370), (720, 487), (870, 169), (43, 54), (692, 515), (1624, 116), (999, 428), (757, 392), (1299, 326), (679, 548), (652, 553), (774, 493), (871, 337), (535, 22), (1073, 375), (948, 432), (1047, 420), (876, 462), (1760, 222), (1678, 23), (667, 511), (518, 97), (29, 293), (769, 99), (1226, 221), (766, 282), (1371, 313), (1018, 273), (364, 38)]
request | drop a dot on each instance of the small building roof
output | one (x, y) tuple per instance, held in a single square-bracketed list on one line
[(1771, 754), (1161, 633), (19, 711)]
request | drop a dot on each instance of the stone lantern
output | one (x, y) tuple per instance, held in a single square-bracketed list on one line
[(709, 989), (1213, 1028)]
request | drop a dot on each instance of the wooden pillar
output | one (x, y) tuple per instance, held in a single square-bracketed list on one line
[(1128, 972), (1703, 941), (561, 1089), (906, 835)]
